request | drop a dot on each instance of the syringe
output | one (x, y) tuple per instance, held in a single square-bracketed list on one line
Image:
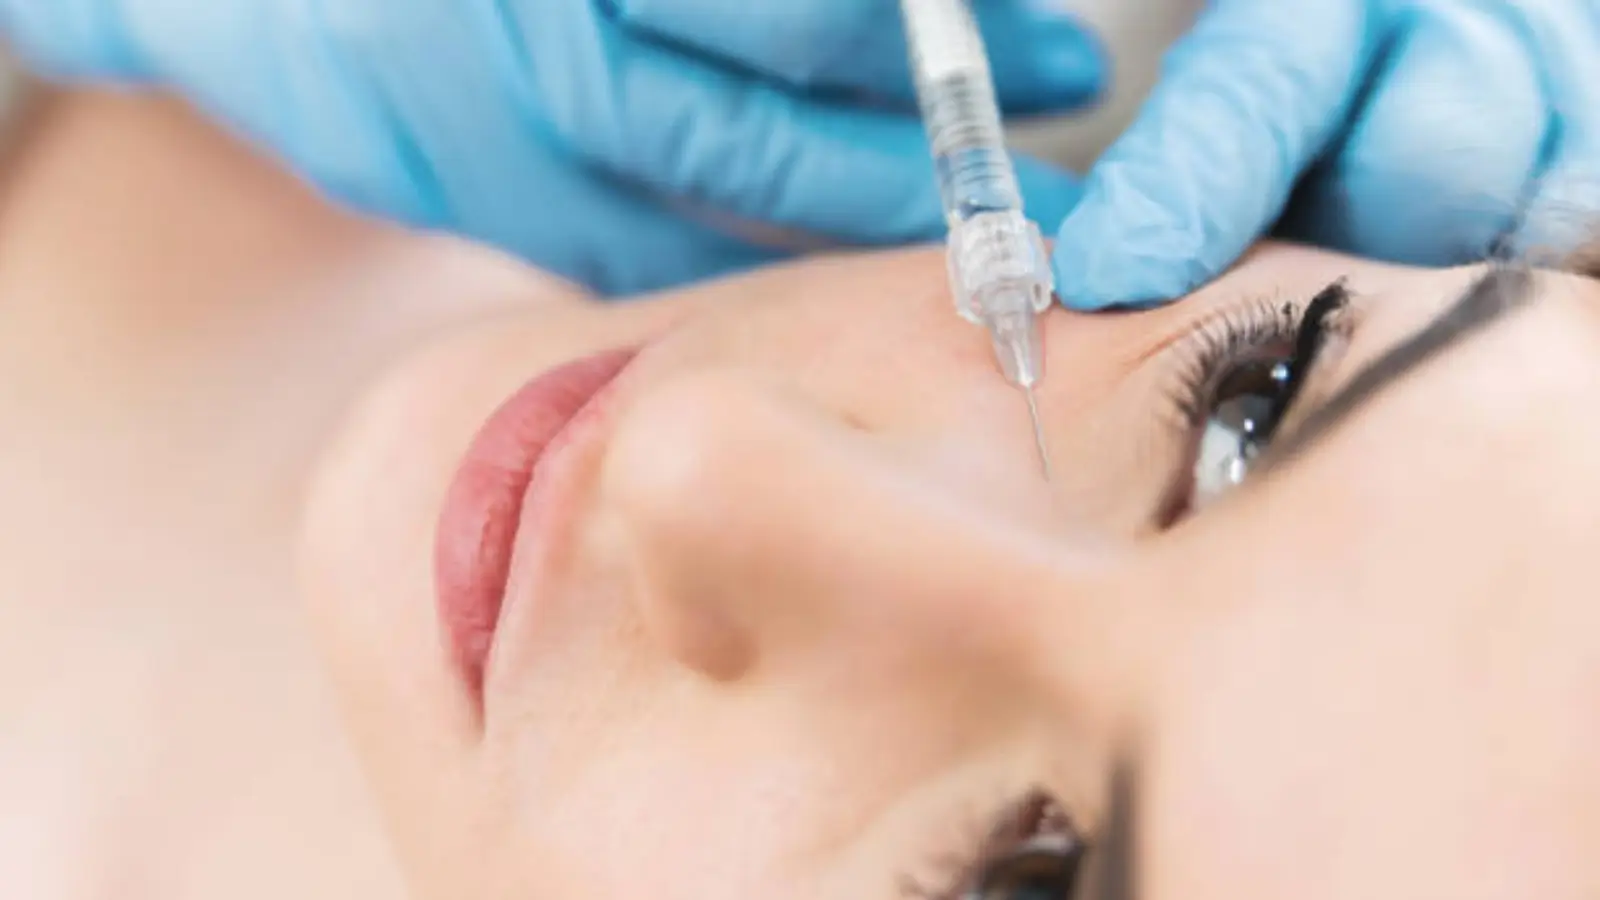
[(999, 271)]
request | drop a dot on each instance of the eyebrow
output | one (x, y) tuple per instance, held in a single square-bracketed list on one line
[(1500, 291)]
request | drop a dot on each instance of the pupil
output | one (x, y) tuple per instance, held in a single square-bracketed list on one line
[(1243, 414), (1247, 403)]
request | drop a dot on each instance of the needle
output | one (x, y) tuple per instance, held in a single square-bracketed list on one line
[(1000, 273), (1038, 432)]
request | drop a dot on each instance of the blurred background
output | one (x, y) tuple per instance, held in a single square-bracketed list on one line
[(1138, 32)]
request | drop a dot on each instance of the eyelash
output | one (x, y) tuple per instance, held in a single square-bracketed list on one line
[(1000, 836), (1222, 342), (1218, 346)]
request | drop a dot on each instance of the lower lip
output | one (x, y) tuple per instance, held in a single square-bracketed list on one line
[(482, 511)]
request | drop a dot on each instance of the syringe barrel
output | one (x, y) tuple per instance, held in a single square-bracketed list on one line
[(969, 152), (955, 90)]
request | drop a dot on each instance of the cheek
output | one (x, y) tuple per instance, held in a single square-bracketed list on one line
[(781, 797), (731, 506), (365, 556), (365, 566)]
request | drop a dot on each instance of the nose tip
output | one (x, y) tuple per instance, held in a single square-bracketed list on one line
[(678, 477), (678, 449)]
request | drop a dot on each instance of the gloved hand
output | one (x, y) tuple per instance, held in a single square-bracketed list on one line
[(1420, 131), (617, 142)]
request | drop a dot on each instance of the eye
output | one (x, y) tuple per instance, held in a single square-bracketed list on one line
[(1244, 373), (1247, 407), (1031, 852), (1045, 868)]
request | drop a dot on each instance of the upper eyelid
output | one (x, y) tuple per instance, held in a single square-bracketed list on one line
[(1247, 322), (1181, 342)]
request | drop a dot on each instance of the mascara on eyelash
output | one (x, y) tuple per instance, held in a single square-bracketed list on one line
[(1217, 344), (1308, 345)]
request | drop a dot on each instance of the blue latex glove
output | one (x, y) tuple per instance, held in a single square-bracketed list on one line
[(617, 142), (1419, 131)]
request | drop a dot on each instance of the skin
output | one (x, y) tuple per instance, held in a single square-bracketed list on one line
[(164, 729), (816, 614), (819, 594)]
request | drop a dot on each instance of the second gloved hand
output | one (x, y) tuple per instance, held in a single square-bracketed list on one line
[(1421, 131), (628, 144)]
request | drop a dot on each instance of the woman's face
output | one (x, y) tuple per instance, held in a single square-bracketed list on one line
[(789, 609)]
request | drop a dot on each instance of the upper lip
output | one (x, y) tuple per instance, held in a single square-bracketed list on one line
[(510, 482)]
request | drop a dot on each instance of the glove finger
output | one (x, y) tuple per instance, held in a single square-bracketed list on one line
[(1048, 192), (1561, 215), (279, 72), (748, 149), (440, 146), (468, 159), (620, 244), (1044, 58), (70, 38), (1436, 166), (1247, 102)]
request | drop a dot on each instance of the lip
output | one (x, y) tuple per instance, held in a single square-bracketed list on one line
[(498, 487)]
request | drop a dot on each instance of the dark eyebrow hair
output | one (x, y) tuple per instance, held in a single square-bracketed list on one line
[(1500, 291)]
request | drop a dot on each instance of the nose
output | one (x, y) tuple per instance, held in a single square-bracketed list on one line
[(714, 530), (763, 532)]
